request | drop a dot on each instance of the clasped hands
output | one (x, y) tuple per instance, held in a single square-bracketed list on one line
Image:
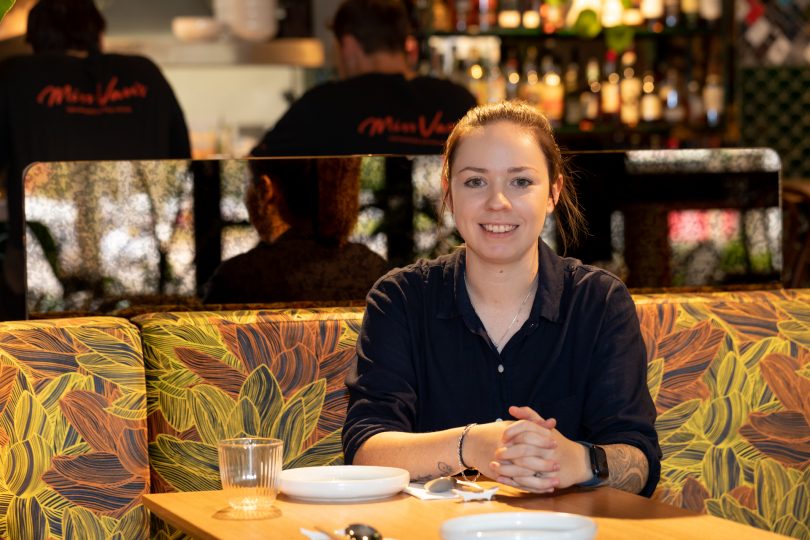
[(528, 453)]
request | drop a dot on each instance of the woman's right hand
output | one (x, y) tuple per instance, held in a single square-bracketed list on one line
[(485, 441)]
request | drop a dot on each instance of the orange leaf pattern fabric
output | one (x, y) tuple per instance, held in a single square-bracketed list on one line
[(733, 403), (73, 428)]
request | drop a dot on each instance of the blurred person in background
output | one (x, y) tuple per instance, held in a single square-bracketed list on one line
[(70, 101), (379, 106), (303, 210)]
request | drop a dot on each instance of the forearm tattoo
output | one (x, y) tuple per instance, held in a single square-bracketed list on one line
[(443, 468), (628, 467)]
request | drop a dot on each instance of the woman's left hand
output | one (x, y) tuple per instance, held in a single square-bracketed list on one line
[(538, 458)]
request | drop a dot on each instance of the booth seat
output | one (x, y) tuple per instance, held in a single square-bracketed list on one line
[(729, 374)]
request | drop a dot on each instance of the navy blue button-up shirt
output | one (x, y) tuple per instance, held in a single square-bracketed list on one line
[(425, 362)]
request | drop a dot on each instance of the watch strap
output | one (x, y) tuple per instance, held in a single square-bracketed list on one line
[(599, 475)]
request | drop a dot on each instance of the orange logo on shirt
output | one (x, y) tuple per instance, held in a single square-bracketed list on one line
[(419, 131), (77, 101)]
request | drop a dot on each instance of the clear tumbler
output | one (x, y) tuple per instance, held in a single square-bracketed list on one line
[(249, 468)]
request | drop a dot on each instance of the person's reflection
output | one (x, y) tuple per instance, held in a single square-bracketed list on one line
[(303, 211)]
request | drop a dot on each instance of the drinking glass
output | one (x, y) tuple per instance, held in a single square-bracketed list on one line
[(249, 468)]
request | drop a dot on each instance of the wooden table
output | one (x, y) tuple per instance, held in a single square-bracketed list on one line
[(619, 515)]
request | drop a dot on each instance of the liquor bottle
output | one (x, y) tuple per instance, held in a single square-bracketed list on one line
[(478, 78), (460, 74), (672, 13), (611, 100), (512, 75), (591, 95), (672, 97), (509, 14), (424, 14), (442, 17), (552, 15), (531, 14), (612, 13), (710, 12), (553, 93), (530, 82), (653, 12), (573, 105), (630, 90), (690, 14), (713, 100), (487, 14), (462, 15), (650, 100)]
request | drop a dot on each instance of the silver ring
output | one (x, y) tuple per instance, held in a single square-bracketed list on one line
[(538, 474)]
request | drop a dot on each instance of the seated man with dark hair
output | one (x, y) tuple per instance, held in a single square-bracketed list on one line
[(379, 107), (304, 211)]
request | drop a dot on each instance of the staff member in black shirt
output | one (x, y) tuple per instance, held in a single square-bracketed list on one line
[(379, 107), (503, 356)]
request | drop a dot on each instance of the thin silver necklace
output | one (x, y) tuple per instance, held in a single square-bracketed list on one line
[(515, 318)]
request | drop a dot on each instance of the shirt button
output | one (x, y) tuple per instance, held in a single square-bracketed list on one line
[(500, 368)]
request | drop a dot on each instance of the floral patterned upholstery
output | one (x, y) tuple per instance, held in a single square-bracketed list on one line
[(73, 437), (212, 375), (730, 377), (729, 372)]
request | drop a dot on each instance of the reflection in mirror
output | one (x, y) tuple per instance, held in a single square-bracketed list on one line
[(114, 237)]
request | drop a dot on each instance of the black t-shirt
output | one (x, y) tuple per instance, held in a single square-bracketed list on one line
[(370, 114), (57, 107)]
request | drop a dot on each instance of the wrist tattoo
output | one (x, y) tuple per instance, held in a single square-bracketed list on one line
[(628, 467), (443, 468)]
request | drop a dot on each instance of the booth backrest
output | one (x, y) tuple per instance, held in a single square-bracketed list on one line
[(72, 430), (729, 373), (730, 377)]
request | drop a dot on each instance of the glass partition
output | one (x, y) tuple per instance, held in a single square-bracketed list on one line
[(101, 237)]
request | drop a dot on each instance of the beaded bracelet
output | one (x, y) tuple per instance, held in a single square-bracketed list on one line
[(464, 466)]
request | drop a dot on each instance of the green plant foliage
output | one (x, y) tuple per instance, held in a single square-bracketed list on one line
[(5, 5)]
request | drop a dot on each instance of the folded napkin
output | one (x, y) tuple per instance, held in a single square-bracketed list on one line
[(419, 491)]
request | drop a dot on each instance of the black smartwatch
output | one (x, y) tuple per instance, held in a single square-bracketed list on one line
[(599, 464)]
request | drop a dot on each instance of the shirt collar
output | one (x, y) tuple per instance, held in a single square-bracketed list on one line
[(455, 300)]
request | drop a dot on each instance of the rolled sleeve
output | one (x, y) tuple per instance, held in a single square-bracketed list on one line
[(618, 406), (383, 386)]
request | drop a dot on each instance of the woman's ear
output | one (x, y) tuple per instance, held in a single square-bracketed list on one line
[(554, 194), (267, 189)]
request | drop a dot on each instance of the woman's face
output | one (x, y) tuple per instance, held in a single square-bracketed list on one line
[(499, 189)]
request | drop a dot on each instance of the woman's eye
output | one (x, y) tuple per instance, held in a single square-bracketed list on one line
[(474, 182), (522, 182)]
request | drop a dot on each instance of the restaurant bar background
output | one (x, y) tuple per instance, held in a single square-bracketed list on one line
[(720, 75)]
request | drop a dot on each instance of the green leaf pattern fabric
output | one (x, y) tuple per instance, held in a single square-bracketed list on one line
[(729, 373), (72, 430), (214, 375)]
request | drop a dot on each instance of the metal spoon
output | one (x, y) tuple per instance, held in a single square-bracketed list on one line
[(362, 531), (446, 483)]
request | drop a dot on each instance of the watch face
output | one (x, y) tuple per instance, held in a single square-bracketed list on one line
[(600, 463)]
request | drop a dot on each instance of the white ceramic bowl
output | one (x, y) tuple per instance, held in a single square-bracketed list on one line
[(519, 526), (192, 29), (343, 482)]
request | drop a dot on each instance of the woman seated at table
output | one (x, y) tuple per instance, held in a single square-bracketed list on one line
[(451, 348), (303, 210)]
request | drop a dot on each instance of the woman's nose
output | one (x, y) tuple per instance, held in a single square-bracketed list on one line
[(497, 199)]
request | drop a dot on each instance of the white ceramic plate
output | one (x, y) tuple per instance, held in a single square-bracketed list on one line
[(343, 482), (520, 526)]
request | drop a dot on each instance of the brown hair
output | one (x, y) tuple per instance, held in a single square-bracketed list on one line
[(378, 25), (318, 195), (567, 213), (59, 25)]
